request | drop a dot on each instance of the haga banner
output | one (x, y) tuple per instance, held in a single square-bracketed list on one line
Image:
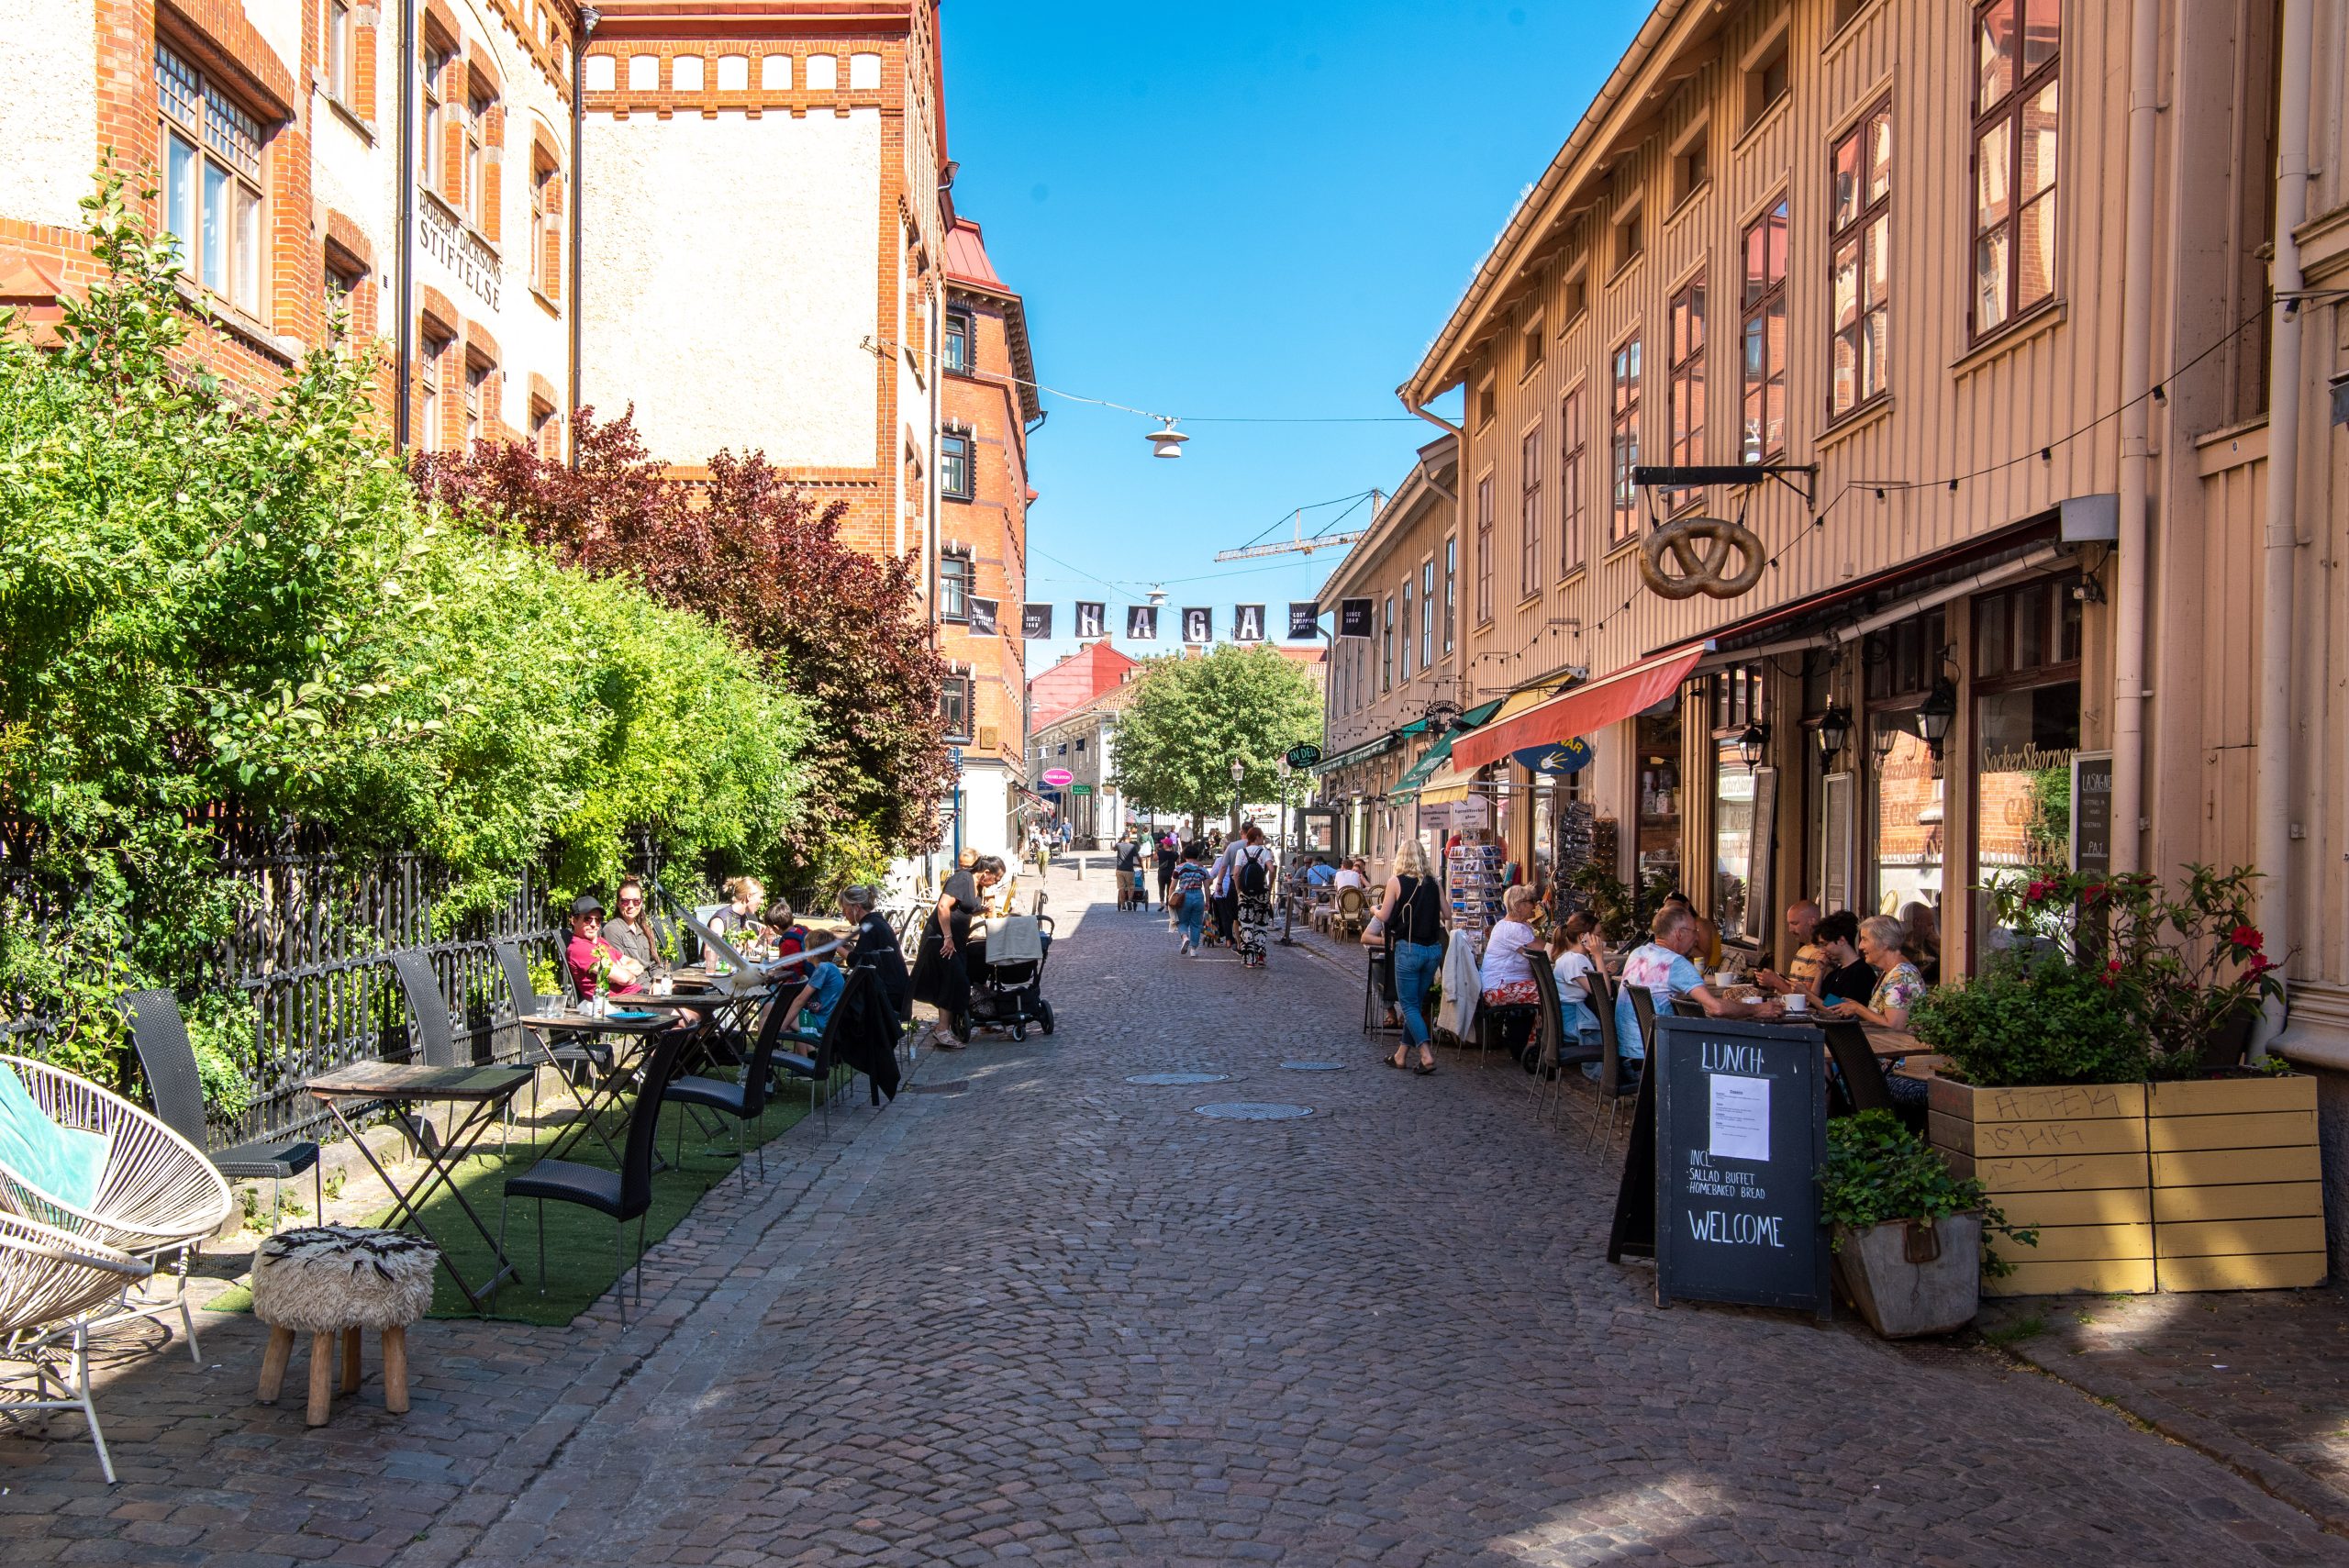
[(1304, 620), (1036, 620), (983, 613), (1198, 624), (1355, 618), (1248, 623), (1568, 756), (1091, 613), (1141, 622)]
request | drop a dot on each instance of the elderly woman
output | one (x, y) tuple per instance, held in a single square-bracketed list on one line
[(1509, 996), (872, 944), (942, 970), (1898, 984)]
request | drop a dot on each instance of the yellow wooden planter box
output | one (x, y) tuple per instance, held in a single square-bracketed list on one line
[(2238, 1195), (2069, 1162)]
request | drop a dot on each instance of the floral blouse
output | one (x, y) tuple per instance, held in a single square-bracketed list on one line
[(1900, 989)]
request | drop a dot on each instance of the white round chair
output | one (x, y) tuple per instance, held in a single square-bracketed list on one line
[(51, 1280), (157, 1194)]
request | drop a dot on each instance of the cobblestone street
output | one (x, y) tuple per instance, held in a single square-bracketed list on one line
[(1036, 1311)]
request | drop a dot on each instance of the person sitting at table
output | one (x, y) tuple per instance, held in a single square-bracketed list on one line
[(1505, 979), (1843, 973), (1923, 947), (1349, 874), (873, 945), (784, 932), (630, 930), (1900, 983), (811, 1010), (745, 896), (1321, 875), (588, 950), (1804, 970), (1576, 952), (1661, 967)]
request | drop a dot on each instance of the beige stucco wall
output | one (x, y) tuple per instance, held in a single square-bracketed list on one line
[(48, 108), (730, 276)]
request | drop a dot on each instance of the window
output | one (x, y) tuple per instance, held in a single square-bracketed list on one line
[(337, 54), (774, 73), (1407, 628), (435, 355), (1860, 267), (954, 475), (430, 149), (342, 298), (823, 72), (1572, 445), (1684, 383), (474, 200), (1532, 339), (1487, 406), (1628, 241), (644, 74), (958, 345), (685, 73), (1623, 443), (1451, 568), (733, 72), (545, 263), (1427, 614), (1765, 84), (1530, 558), (957, 575), (543, 431), (864, 72), (1080, 745), (954, 707), (1387, 659), (1484, 549), (212, 183), (1577, 298), (1692, 165), (477, 409), (2015, 142), (1763, 337)]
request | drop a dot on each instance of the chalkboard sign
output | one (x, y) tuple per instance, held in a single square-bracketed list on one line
[(2092, 812), (1740, 1132)]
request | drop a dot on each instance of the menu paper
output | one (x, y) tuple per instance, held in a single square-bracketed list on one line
[(1740, 1119)]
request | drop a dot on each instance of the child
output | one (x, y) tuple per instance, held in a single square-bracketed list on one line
[(812, 1008)]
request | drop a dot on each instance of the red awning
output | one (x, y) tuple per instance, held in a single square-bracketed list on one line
[(1583, 711)]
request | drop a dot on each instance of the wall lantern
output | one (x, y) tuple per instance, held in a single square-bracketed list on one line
[(1752, 743), (1936, 715), (1834, 729)]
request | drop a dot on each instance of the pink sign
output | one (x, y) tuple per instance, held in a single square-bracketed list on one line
[(1059, 778)]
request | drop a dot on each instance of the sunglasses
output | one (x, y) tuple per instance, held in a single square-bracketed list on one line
[(632, 903)]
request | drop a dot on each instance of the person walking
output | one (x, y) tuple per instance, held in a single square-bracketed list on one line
[(1167, 853), (1129, 863), (1254, 868), (1191, 876), (1413, 916)]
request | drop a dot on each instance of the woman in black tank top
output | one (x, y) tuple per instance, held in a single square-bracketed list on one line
[(1413, 918)]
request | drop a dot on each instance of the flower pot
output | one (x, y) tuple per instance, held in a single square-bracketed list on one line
[(2067, 1160), (1911, 1278), (2238, 1188)]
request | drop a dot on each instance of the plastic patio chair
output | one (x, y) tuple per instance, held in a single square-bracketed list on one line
[(625, 1194), (51, 1279), (158, 1194), (159, 1034)]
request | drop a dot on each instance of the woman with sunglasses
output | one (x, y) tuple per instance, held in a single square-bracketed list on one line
[(630, 930)]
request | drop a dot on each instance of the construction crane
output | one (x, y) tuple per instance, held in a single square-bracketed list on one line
[(1299, 542)]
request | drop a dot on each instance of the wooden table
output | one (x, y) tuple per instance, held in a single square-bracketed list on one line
[(484, 1092)]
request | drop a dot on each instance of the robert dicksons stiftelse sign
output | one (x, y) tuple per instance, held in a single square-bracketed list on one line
[(1741, 1134)]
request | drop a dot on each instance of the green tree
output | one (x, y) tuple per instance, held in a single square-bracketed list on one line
[(1190, 718)]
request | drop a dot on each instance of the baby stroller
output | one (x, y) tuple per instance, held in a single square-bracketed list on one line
[(1010, 994)]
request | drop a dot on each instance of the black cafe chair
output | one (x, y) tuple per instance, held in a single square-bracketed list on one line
[(745, 1101), (435, 1037), (818, 1068), (159, 1033), (1858, 1081), (1554, 1051), (625, 1194), (1615, 1085)]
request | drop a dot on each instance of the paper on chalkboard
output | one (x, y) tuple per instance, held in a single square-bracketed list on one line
[(1740, 1119)]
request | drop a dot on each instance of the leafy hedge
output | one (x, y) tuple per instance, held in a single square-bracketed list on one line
[(206, 603)]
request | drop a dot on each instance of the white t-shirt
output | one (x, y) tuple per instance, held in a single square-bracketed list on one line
[(1573, 970), (1349, 878), (1505, 959)]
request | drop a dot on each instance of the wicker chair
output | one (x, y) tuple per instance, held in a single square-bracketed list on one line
[(1352, 910), (52, 1280), (159, 1194)]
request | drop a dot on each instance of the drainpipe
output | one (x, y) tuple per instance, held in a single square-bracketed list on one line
[(2136, 419), (589, 18), (2272, 810), (404, 367)]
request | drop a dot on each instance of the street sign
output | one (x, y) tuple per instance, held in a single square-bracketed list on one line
[(1304, 755), (1058, 778), (1081, 789)]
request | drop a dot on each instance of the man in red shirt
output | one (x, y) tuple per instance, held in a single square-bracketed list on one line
[(623, 976)]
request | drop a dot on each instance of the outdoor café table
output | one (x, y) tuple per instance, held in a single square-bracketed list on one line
[(650, 1015), (484, 1092)]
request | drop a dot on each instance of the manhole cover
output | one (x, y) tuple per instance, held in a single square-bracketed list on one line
[(1254, 1110), (1174, 1080), (951, 1086), (1313, 1066)]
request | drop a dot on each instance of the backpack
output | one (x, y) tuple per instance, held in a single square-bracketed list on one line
[(1252, 878)]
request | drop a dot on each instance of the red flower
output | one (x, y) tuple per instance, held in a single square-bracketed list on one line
[(2113, 964), (2247, 937), (2260, 963), (2096, 893), (2037, 891)]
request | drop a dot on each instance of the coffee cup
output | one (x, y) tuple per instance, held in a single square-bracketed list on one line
[(1797, 1003)]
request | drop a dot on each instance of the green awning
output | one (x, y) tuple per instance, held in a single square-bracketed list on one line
[(1417, 773)]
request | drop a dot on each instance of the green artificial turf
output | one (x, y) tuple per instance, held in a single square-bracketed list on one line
[(580, 1263)]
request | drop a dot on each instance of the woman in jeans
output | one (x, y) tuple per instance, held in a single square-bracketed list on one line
[(1191, 896), (1413, 916)]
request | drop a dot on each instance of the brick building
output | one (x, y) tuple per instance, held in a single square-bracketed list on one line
[(1076, 679), (983, 495), (279, 148)]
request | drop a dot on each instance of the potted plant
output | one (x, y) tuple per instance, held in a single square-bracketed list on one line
[(1907, 1231)]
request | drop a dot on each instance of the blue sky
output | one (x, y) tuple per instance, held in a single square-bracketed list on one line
[(1241, 209)]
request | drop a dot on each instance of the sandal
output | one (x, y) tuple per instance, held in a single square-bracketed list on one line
[(1394, 1061), (1423, 1069)]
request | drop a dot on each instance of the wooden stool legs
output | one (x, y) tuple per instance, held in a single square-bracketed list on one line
[(280, 1354)]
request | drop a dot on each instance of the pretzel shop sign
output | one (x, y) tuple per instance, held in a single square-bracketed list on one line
[(457, 248)]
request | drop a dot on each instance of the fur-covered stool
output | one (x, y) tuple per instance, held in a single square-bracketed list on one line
[(324, 1280)]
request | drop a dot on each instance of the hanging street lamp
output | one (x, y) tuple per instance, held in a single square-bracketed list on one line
[(1834, 729)]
